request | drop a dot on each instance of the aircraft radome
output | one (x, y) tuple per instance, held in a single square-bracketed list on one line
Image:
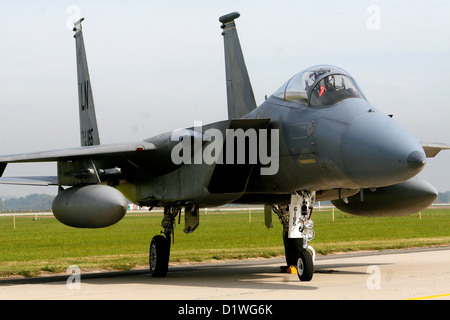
[(316, 138)]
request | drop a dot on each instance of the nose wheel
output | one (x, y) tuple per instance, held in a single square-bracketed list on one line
[(305, 266)]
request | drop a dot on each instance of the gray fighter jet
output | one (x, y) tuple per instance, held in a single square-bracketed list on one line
[(316, 138)]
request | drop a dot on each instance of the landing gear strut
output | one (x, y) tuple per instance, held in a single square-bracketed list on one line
[(160, 245), (297, 232)]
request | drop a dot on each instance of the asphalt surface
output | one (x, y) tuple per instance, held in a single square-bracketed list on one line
[(422, 274)]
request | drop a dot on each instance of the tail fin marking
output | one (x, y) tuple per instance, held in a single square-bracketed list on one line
[(241, 99), (89, 134)]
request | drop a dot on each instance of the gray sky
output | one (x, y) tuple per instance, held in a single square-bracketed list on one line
[(158, 65)]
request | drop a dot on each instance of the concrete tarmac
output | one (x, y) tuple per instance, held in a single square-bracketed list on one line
[(388, 275)]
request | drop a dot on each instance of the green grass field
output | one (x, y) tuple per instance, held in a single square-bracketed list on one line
[(45, 245)]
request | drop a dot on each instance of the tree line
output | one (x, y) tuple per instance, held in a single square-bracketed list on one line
[(443, 197), (43, 202), (33, 202)]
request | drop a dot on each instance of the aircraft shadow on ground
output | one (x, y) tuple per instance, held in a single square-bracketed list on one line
[(240, 275), (246, 276)]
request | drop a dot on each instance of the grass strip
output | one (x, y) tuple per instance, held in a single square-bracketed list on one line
[(46, 246)]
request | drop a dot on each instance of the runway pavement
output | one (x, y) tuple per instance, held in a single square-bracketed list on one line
[(392, 275)]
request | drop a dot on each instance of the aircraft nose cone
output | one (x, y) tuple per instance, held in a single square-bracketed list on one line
[(377, 151), (416, 160)]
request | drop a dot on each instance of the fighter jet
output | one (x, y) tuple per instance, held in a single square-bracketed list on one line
[(316, 138)]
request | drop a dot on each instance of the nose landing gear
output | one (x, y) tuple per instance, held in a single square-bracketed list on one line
[(297, 232)]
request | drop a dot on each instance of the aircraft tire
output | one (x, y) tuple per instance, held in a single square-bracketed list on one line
[(305, 266), (292, 247), (159, 256)]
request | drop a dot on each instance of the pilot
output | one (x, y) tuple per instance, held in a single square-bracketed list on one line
[(327, 85)]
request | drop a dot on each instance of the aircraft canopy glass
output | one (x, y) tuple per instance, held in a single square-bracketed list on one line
[(319, 86)]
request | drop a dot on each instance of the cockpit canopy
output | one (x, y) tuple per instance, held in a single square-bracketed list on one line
[(319, 86)]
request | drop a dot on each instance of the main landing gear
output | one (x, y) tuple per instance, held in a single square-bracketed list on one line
[(297, 232), (160, 246), (159, 252)]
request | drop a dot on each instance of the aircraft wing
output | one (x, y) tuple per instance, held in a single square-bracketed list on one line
[(97, 152), (31, 181), (432, 149)]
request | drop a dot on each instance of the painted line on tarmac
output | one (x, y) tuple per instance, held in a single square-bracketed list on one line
[(432, 297)]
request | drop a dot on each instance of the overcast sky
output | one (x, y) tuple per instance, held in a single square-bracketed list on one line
[(158, 65)]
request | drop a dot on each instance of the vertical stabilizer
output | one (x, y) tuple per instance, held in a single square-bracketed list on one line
[(241, 99), (88, 121)]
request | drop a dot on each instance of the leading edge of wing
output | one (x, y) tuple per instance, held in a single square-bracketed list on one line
[(432, 149), (31, 181), (91, 152)]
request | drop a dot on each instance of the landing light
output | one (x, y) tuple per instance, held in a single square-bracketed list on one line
[(308, 234), (309, 224)]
